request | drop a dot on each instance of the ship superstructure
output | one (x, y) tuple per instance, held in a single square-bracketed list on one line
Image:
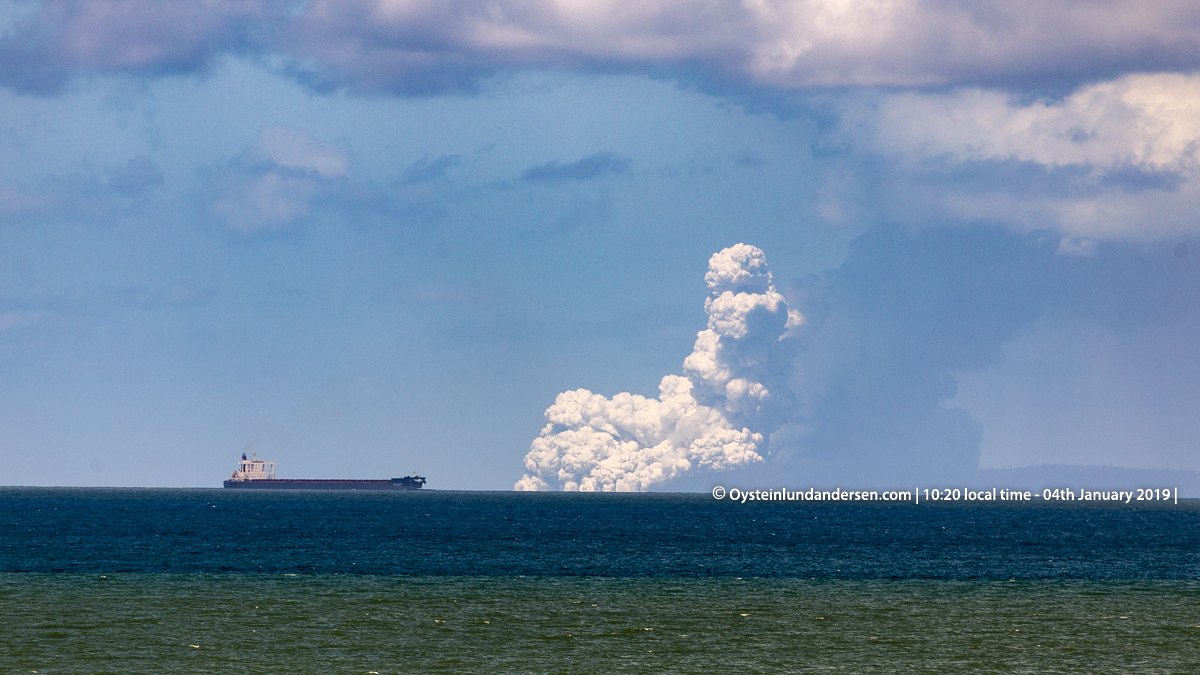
[(258, 474), (254, 469)]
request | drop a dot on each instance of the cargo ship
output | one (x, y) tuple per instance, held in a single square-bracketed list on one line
[(258, 474)]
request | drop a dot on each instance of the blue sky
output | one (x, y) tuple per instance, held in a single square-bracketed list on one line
[(367, 238)]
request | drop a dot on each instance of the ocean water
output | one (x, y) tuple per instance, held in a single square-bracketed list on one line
[(211, 581)]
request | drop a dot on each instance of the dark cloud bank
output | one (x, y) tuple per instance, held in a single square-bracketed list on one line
[(416, 47), (886, 333)]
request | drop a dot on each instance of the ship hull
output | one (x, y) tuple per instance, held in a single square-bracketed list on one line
[(399, 484)]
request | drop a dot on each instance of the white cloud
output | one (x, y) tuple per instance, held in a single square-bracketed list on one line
[(1121, 158), (1146, 121), (271, 201), (275, 181), (291, 148), (714, 419), (630, 442)]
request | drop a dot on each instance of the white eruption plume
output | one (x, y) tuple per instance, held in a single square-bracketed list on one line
[(712, 420)]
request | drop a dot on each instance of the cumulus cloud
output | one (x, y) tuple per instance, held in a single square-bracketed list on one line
[(1144, 121), (739, 364), (424, 46), (631, 442), (294, 149), (288, 178), (716, 418), (274, 182), (1118, 159)]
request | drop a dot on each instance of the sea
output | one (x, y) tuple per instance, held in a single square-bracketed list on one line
[(220, 581)]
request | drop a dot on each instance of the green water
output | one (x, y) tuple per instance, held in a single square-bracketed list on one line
[(150, 623)]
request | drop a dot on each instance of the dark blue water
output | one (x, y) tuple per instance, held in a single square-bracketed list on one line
[(628, 535)]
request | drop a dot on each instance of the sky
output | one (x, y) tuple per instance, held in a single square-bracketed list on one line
[(598, 244)]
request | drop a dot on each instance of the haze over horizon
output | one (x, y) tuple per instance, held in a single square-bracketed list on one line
[(369, 237)]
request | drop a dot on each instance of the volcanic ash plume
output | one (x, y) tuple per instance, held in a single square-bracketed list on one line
[(712, 420)]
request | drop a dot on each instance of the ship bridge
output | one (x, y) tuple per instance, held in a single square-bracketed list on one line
[(254, 468)]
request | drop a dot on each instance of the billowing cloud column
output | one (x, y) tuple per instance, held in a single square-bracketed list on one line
[(712, 420), (739, 365)]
